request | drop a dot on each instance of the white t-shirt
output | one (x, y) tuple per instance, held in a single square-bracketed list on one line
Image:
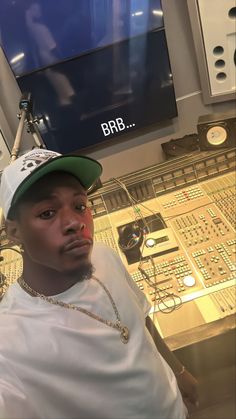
[(57, 363)]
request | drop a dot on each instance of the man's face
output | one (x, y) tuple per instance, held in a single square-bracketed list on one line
[(55, 225)]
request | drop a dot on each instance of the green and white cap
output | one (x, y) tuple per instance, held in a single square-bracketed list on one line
[(20, 175)]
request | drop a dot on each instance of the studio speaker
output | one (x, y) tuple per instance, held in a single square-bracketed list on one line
[(217, 131)]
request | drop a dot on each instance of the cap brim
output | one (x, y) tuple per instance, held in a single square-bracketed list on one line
[(86, 170)]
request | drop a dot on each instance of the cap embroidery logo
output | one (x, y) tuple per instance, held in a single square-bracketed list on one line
[(35, 160)]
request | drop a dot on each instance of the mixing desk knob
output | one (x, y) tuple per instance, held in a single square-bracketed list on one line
[(189, 281)]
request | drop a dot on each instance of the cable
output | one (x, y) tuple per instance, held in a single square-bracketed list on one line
[(134, 202), (161, 297)]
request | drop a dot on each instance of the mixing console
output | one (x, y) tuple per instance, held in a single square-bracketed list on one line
[(10, 268), (224, 300), (223, 192), (174, 274), (188, 255), (103, 232)]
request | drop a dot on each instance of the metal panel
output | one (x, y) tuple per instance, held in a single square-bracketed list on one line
[(213, 27)]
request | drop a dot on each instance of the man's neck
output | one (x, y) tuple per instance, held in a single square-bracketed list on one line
[(47, 281)]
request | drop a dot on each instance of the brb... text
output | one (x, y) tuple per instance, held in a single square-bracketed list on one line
[(114, 125)]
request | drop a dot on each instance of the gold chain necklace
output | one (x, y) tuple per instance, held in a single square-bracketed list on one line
[(124, 331)]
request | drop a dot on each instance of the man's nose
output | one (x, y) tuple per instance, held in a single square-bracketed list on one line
[(71, 222)]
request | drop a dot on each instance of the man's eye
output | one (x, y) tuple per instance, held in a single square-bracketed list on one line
[(45, 215), (81, 207)]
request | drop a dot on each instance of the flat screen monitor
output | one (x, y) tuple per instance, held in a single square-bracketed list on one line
[(96, 69)]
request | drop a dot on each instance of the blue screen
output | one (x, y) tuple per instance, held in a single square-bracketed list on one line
[(105, 94), (36, 34)]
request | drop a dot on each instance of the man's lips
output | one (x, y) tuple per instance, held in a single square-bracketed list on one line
[(80, 245)]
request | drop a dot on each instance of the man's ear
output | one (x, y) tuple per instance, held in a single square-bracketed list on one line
[(13, 231)]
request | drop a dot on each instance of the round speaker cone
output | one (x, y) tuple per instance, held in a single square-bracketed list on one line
[(216, 135)]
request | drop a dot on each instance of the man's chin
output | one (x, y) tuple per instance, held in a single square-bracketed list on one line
[(82, 272)]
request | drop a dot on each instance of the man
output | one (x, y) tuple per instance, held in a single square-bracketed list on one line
[(75, 333)]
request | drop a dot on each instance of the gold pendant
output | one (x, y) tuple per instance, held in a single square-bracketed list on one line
[(124, 334)]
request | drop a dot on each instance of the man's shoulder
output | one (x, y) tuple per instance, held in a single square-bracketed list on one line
[(101, 248), (104, 254), (8, 298)]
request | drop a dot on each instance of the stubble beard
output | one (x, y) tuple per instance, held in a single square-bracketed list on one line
[(84, 272)]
